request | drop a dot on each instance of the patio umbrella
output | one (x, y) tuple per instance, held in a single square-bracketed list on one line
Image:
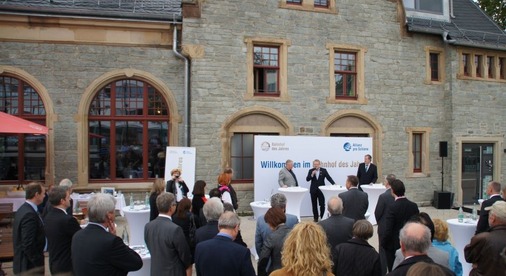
[(13, 124)]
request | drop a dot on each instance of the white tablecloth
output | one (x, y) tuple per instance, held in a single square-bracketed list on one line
[(259, 208), (120, 201), (137, 219), (294, 196), (461, 233), (146, 261), (330, 191), (373, 193), (16, 202)]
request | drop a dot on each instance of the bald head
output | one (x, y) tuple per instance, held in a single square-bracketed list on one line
[(335, 205), (415, 239)]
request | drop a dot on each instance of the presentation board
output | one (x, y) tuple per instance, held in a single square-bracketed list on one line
[(184, 159), (339, 155)]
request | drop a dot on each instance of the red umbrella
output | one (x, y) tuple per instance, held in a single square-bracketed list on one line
[(13, 124)]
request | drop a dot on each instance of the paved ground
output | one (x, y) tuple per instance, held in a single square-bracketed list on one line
[(248, 225)]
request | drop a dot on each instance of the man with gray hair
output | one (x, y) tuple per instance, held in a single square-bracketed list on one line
[(384, 201), (263, 230), (337, 227), (96, 250), (494, 194), (415, 242), (170, 253), (220, 255), (486, 248), (213, 208), (286, 176)]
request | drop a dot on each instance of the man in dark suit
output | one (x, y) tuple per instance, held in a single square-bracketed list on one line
[(60, 228), (494, 194), (213, 209), (96, 250), (355, 202), (384, 201), (414, 242), (220, 255), (397, 215), (317, 177), (170, 253), (337, 227), (367, 172), (28, 234)]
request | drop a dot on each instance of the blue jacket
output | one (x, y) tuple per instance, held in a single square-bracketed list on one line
[(453, 255)]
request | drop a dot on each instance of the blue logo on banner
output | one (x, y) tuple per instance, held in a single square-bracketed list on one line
[(347, 146)]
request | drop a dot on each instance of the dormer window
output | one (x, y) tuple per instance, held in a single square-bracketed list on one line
[(434, 6)]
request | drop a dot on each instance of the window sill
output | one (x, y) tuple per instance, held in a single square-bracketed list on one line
[(418, 175), (346, 101), (308, 8), (268, 98)]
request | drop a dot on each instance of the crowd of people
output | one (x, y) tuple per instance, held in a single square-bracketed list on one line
[(204, 233)]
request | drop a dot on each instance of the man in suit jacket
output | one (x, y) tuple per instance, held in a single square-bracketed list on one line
[(263, 230), (355, 202), (60, 228), (317, 177), (96, 250), (212, 210), (415, 241), (398, 214), (286, 176), (494, 194), (337, 227), (28, 234), (384, 201), (367, 172), (170, 253), (220, 255)]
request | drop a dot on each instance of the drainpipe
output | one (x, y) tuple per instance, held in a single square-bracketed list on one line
[(186, 89)]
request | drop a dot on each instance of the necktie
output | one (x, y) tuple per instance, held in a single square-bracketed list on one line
[(366, 167)]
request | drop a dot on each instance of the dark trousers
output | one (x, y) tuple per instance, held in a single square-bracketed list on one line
[(390, 257), (383, 260), (318, 195)]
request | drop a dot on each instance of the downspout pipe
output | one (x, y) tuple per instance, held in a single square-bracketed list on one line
[(186, 88)]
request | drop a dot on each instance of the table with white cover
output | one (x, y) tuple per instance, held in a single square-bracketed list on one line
[(16, 202), (259, 208), (294, 196), (330, 191), (146, 261), (373, 192), (120, 200), (137, 218), (461, 233)]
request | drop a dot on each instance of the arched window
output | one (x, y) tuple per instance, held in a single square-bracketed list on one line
[(22, 156), (128, 125)]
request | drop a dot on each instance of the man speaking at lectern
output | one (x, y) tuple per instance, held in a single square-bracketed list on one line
[(367, 172)]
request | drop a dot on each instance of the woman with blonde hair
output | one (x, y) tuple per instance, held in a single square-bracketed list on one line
[(441, 242), (156, 189), (176, 185), (305, 252)]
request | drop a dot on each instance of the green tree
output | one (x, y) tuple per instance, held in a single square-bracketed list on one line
[(495, 9)]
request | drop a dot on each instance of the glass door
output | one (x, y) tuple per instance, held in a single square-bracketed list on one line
[(477, 170)]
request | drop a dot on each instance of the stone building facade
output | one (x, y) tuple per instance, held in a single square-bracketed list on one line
[(399, 99)]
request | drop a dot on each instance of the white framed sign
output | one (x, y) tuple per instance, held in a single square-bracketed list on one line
[(339, 155), (182, 158)]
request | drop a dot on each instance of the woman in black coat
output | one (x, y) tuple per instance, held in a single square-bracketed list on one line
[(157, 189), (349, 256), (198, 201), (184, 218), (177, 186)]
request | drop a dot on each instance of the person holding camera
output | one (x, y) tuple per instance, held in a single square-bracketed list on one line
[(176, 185)]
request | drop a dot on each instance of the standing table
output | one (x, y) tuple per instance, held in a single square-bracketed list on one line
[(259, 208), (120, 201), (146, 261), (294, 196), (330, 191), (137, 219), (373, 193), (461, 233)]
